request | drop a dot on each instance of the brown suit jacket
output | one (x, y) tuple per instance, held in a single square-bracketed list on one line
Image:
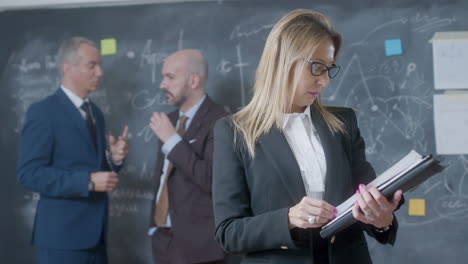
[(189, 186)]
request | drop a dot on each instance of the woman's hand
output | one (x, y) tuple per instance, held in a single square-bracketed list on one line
[(310, 212), (373, 208)]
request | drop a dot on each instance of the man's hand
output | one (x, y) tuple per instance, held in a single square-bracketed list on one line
[(104, 181), (119, 147), (162, 126)]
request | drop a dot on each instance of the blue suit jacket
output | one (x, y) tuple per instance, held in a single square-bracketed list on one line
[(56, 158)]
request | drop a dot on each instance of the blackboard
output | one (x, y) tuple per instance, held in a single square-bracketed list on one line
[(391, 94)]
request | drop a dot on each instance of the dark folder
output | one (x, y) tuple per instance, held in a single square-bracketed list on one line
[(409, 179)]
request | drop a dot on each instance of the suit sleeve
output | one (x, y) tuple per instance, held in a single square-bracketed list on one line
[(197, 167), (35, 170), (116, 168), (363, 172), (109, 164), (237, 230)]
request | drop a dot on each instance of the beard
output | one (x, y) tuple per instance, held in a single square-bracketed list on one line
[(176, 101)]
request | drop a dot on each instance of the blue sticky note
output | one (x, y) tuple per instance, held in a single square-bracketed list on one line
[(393, 47)]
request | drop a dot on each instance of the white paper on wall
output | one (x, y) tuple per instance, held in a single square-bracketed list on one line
[(451, 123), (450, 53)]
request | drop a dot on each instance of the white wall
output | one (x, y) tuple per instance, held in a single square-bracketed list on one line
[(33, 4)]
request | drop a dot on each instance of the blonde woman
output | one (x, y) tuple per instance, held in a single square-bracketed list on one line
[(283, 162)]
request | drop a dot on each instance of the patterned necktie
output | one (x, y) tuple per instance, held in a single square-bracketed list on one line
[(162, 205), (90, 122)]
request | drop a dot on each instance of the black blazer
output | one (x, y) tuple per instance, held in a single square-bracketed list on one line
[(252, 196)]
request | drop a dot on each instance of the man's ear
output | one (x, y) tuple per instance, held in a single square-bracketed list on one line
[(65, 68), (194, 81)]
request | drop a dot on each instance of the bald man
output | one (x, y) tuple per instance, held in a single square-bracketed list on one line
[(182, 224)]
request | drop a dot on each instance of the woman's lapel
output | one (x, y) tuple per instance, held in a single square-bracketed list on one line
[(277, 150)]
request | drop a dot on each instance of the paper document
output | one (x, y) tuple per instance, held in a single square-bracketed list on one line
[(450, 52), (451, 123)]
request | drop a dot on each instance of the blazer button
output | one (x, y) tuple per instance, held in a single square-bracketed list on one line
[(284, 247), (332, 239)]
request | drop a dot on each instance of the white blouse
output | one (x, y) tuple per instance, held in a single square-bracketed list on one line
[(305, 144)]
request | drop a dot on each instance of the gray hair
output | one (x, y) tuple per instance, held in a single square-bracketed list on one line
[(68, 52)]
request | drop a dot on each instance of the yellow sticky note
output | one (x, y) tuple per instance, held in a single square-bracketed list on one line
[(417, 207), (108, 46)]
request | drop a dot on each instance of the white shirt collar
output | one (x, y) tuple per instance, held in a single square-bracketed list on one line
[(288, 117), (76, 100)]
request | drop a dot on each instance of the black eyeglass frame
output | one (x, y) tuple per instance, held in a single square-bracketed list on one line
[(327, 69)]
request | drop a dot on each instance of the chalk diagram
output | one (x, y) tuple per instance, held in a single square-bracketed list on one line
[(393, 102)]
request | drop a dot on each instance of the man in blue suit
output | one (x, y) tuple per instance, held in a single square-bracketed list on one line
[(63, 158)]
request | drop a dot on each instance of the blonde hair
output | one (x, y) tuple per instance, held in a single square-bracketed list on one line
[(294, 38)]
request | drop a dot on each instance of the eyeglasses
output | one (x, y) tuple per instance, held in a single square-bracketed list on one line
[(318, 68)]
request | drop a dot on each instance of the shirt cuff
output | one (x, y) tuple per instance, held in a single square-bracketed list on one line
[(152, 230), (110, 161), (170, 143)]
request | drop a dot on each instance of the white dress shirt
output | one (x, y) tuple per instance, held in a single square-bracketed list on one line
[(76, 100), (305, 144)]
